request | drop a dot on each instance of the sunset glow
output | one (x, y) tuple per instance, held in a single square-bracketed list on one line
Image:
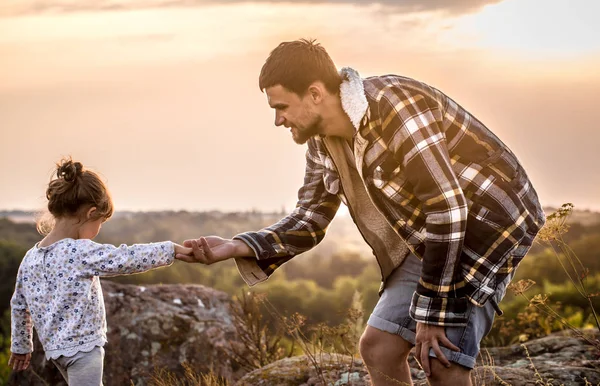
[(164, 101)]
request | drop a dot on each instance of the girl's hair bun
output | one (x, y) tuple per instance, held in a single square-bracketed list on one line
[(74, 189), (69, 170)]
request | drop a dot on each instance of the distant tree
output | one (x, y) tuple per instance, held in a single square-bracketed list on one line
[(587, 248), (324, 269), (18, 233), (11, 255)]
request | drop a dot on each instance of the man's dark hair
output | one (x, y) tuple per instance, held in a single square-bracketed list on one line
[(296, 65)]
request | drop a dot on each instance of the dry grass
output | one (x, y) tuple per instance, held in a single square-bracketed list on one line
[(163, 377), (257, 344)]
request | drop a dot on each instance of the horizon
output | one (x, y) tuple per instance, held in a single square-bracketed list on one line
[(164, 103), (343, 212)]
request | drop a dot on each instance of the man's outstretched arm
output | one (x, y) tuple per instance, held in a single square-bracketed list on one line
[(258, 254)]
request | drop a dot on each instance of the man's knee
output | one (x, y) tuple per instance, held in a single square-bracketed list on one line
[(440, 374), (378, 346)]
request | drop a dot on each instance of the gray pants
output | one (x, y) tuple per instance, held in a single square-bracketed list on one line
[(83, 368)]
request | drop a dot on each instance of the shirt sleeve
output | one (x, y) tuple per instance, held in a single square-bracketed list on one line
[(107, 260), (298, 232), (412, 121), (21, 324)]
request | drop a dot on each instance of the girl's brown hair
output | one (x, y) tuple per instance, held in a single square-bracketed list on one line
[(74, 189)]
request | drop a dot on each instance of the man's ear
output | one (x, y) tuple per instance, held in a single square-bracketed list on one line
[(316, 91), (90, 213)]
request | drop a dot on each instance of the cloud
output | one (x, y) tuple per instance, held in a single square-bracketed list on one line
[(33, 7)]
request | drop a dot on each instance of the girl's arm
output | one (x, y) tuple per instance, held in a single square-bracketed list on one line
[(21, 324), (108, 260)]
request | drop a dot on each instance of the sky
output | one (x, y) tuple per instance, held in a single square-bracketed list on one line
[(161, 97)]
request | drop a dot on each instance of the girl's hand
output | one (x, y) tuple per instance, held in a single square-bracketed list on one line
[(181, 252), (212, 249), (19, 362)]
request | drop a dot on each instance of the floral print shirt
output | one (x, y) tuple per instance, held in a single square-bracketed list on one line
[(58, 291)]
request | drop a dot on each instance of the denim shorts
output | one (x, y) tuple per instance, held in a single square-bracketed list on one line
[(391, 314)]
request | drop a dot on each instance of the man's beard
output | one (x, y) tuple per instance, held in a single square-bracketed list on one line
[(301, 136)]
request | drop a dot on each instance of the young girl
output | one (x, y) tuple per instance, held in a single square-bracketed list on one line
[(58, 285)]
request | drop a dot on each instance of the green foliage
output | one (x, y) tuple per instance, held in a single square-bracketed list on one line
[(4, 346), (11, 255), (541, 267), (24, 234), (544, 312), (320, 284), (587, 248), (144, 227), (520, 323), (5, 371), (320, 268)]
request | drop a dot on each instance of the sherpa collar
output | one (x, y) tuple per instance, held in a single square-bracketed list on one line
[(352, 95)]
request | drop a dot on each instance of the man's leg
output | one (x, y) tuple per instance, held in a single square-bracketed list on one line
[(390, 334), (386, 357), (468, 339), (455, 375)]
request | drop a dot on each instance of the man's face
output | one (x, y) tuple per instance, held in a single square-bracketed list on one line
[(294, 112)]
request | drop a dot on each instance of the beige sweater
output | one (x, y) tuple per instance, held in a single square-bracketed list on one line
[(389, 249)]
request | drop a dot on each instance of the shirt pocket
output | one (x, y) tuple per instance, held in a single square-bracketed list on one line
[(489, 235), (382, 177), (390, 179), (481, 214)]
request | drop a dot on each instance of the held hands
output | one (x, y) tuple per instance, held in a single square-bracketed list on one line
[(212, 249), (430, 336), (182, 251), (19, 362)]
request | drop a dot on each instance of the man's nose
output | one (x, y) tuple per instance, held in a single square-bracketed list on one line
[(279, 120)]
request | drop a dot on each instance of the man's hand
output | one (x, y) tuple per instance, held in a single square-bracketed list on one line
[(19, 362), (430, 336), (212, 249)]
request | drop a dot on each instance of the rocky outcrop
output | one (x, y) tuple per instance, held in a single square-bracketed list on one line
[(167, 326), (155, 327), (558, 359), (301, 370)]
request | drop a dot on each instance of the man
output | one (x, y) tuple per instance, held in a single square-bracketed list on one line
[(446, 207)]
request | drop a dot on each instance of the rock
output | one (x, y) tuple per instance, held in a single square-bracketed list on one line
[(558, 359), (155, 327), (334, 370)]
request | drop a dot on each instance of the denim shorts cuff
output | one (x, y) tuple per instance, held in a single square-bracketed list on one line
[(456, 357), (409, 336), (393, 328)]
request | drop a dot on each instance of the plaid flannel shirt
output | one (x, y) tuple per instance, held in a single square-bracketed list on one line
[(450, 188)]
